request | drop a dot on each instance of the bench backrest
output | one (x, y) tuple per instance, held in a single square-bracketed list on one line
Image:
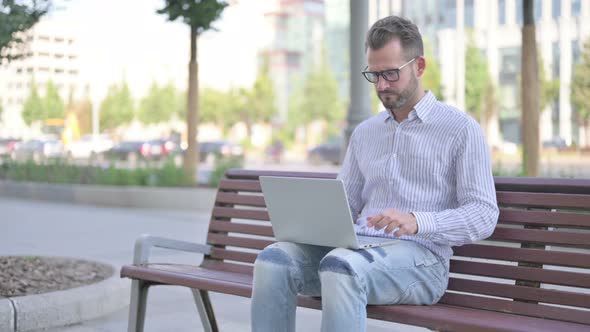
[(536, 263)]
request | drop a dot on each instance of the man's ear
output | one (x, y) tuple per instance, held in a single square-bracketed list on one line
[(421, 66)]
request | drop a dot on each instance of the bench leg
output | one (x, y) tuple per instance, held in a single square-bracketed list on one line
[(205, 310), (139, 293)]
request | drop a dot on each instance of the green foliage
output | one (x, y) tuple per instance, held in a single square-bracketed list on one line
[(221, 166), (117, 108), (549, 89), (477, 80), (53, 105), (57, 171), (33, 109), (431, 78), (580, 94), (317, 99), (197, 14), (159, 105), (16, 17), (221, 108), (261, 98)]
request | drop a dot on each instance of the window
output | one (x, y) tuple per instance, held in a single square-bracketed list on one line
[(555, 9), (502, 12), (518, 11), (73, 72), (576, 52), (58, 70), (58, 56), (72, 57), (510, 65), (469, 14), (538, 10), (576, 7), (556, 57), (30, 70)]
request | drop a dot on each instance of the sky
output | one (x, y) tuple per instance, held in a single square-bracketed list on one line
[(129, 39)]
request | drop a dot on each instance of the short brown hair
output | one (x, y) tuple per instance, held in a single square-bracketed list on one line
[(387, 28)]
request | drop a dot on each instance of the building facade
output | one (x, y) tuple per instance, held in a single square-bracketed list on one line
[(562, 27), (51, 54)]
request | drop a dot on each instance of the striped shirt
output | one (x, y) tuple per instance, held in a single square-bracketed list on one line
[(435, 164)]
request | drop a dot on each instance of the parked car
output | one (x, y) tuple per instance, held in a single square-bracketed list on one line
[(164, 148), (8, 146), (89, 147), (209, 150), (130, 151), (327, 152), (39, 149), (555, 143)]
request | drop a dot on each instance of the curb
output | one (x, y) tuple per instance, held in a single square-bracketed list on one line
[(191, 199), (66, 307), (6, 315)]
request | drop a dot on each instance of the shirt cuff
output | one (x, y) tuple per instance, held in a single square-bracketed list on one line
[(426, 222)]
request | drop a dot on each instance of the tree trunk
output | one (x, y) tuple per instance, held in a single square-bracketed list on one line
[(190, 162), (530, 94)]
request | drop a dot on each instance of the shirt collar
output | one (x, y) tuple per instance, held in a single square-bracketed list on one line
[(423, 108)]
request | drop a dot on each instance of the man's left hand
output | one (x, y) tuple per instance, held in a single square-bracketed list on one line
[(392, 218)]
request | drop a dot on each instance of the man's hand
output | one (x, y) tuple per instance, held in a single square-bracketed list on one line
[(392, 219)]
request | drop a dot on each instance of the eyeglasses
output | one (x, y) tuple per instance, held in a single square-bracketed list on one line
[(390, 75)]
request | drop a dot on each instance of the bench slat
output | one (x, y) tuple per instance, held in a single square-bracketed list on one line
[(227, 226), (512, 272), (521, 308), (237, 199), (550, 257), (520, 292), (255, 174), (242, 242), (233, 255), (229, 212), (544, 218), (542, 236), (543, 200), (240, 185)]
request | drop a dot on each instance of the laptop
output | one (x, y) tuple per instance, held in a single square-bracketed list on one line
[(313, 211)]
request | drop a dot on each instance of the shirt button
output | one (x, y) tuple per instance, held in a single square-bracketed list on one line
[(394, 155)]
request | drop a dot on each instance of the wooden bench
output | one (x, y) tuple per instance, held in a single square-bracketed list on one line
[(533, 274)]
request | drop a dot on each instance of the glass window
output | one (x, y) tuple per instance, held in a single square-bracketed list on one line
[(576, 7), (576, 52), (538, 10), (469, 14), (449, 14), (502, 12), (519, 16), (556, 9), (556, 55)]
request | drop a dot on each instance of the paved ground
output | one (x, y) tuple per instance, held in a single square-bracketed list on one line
[(107, 234)]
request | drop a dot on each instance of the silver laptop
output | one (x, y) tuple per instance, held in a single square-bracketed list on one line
[(313, 211)]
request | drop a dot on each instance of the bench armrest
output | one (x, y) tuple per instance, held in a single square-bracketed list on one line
[(145, 242)]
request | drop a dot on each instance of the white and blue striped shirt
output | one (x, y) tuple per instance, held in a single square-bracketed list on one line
[(435, 164)]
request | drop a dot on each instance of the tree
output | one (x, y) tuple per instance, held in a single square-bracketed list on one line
[(530, 93), (221, 108), (198, 16), (580, 94), (53, 105), (160, 104), (117, 108), (317, 99), (260, 100), (549, 88), (33, 106), (431, 77), (17, 17), (477, 78)]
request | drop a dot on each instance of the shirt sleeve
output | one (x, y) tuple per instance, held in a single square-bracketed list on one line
[(477, 213), (350, 173)]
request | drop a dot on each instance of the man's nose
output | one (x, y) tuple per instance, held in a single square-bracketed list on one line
[(381, 84)]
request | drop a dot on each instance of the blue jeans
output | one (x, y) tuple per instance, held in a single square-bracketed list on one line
[(347, 280)]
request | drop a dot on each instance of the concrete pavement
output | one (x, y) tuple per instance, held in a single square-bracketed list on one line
[(108, 234)]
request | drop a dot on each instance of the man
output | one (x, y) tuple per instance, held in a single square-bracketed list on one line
[(419, 171)]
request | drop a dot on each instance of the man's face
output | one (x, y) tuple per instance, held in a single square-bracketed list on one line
[(393, 95)]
